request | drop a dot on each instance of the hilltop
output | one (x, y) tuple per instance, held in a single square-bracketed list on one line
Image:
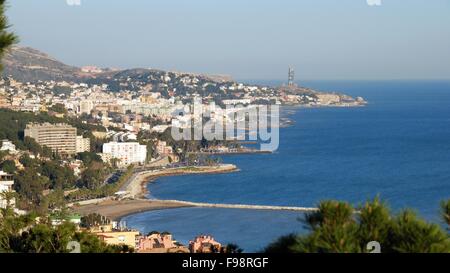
[(27, 64)]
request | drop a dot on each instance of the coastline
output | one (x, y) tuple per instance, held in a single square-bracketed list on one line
[(137, 186), (117, 209), (135, 201)]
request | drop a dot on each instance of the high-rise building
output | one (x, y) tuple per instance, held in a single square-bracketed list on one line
[(61, 138), (126, 152)]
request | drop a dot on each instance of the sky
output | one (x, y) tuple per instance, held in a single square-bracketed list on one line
[(247, 39)]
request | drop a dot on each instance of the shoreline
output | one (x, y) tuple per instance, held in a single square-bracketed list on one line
[(137, 186), (117, 209), (136, 201)]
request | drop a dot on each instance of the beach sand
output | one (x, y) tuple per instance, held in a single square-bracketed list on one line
[(136, 188), (114, 209)]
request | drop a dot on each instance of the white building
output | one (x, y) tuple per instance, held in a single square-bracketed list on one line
[(8, 146), (86, 106), (6, 185), (126, 152)]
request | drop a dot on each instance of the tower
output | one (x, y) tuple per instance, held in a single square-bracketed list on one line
[(291, 75)]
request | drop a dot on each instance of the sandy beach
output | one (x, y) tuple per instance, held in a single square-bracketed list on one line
[(136, 189), (116, 209)]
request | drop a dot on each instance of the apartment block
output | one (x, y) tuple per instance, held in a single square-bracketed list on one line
[(83, 144), (61, 138), (126, 152)]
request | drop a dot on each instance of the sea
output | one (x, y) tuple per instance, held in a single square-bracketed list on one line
[(397, 148)]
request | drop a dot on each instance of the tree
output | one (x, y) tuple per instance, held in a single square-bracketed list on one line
[(409, 234), (445, 206), (61, 177), (284, 244), (7, 38), (88, 157), (29, 162), (32, 145), (29, 185), (337, 227), (10, 227), (93, 219), (232, 248), (58, 108), (8, 166), (93, 176)]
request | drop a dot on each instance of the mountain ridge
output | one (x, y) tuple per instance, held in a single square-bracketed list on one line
[(27, 64)]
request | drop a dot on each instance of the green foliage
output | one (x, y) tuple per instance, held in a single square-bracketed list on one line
[(10, 227), (93, 219), (93, 176), (7, 38), (338, 228), (61, 177), (8, 166), (232, 248), (58, 108), (88, 158), (445, 206), (29, 185), (45, 238), (29, 162), (334, 228), (100, 192), (24, 234), (374, 222), (409, 234), (3, 154), (62, 90), (284, 244)]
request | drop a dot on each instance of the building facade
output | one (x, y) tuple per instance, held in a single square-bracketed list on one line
[(119, 237), (204, 244), (126, 152), (8, 146), (61, 138), (83, 144), (6, 185), (159, 243)]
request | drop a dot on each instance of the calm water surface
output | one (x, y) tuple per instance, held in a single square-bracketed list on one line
[(398, 147)]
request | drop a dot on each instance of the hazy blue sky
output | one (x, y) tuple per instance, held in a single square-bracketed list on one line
[(248, 39)]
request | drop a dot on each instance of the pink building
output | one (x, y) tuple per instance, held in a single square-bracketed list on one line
[(163, 149), (204, 244), (159, 243)]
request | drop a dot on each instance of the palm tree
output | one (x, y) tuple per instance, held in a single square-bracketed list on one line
[(8, 196)]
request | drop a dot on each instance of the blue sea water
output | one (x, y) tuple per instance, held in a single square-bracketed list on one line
[(398, 147)]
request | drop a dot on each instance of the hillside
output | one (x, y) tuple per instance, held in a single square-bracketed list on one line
[(26, 64), (29, 65)]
